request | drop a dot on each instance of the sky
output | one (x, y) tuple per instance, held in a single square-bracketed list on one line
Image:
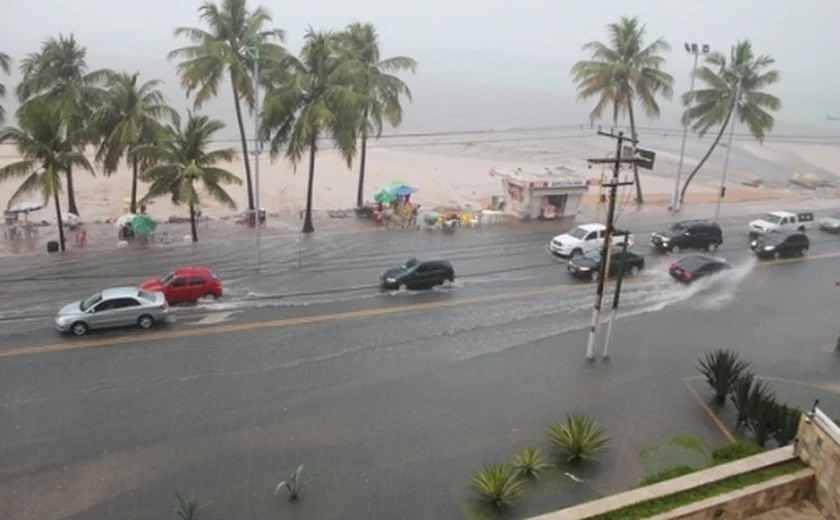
[(523, 44)]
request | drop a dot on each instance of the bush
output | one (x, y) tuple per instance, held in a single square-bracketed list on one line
[(530, 462), (787, 424), (722, 369), (580, 438), (667, 474), (734, 451), (764, 420), (746, 395), (497, 484)]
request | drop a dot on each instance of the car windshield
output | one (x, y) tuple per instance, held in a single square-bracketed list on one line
[(578, 232), (593, 255), (408, 265), (771, 218), (90, 302), (146, 295), (166, 279), (676, 226), (693, 263)]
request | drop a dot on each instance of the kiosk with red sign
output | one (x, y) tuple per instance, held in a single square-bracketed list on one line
[(553, 193)]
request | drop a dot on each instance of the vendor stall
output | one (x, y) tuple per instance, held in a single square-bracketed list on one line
[(553, 193)]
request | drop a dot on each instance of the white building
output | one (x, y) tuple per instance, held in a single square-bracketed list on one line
[(552, 193)]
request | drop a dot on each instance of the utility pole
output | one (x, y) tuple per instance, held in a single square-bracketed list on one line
[(732, 117), (603, 270), (616, 295)]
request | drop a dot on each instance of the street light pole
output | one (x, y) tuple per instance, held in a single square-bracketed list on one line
[(732, 116), (696, 51), (255, 51)]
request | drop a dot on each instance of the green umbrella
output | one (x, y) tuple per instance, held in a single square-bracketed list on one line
[(143, 224), (384, 196)]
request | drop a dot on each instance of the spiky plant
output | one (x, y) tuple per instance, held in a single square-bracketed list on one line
[(294, 485), (722, 369), (579, 438), (763, 420), (497, 484), (186, 509), (740, 397), (530, 462), (787, 424)]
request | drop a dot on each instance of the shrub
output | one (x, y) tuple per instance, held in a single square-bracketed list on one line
[(667, 474), (186, 509), (530, 462), (763, 420), (747, 397), (787, 424), (734, 451), (497, 484), (722, 369), (580, 438)]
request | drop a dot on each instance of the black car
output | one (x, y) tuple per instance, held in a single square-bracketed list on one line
[(588, 266), (694, 267), (688, 234), (777, 244), (418, 274)]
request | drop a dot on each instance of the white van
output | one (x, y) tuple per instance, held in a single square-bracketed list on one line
[(781, 221)]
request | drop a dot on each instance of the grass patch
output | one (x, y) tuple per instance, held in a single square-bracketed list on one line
[(669, 502)]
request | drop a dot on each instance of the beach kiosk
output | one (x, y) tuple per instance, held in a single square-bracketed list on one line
[(552, 193)]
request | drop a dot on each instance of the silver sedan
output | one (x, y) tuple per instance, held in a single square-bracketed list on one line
[(114, 307)]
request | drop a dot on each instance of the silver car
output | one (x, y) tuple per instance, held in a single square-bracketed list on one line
[(114, 307), (831, 223)]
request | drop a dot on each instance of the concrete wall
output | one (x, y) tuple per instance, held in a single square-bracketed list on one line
[(818, 445)]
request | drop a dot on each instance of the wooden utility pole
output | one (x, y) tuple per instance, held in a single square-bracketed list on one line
[(613, 186)]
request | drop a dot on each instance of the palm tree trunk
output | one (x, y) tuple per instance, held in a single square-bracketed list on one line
[(71, 194), (705, 157), (307, 219), (57, 201), (193, 228), (134, 167), (362, 160), (244, 140), (639, 198)]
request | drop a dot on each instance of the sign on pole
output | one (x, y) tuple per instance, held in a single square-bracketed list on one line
[(646, 157)]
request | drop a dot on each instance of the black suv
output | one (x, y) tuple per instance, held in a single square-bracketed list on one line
[(418, 274), (688, 234), (777, 244)]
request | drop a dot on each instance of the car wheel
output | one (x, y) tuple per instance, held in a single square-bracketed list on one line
[(803, 251), (712, 247), (576, 253), (675, 250), (210, 297), (777, 255), (402, 287), (634, 270), (79, 328), (594, 276), (145, 321)]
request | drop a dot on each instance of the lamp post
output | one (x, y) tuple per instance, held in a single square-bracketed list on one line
[(254, 52), (732, 118), (696, 50)]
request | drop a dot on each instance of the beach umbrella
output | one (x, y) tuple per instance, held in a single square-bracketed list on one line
[(124, 219), (143, 224), (384, 196), (25, 207), (394, 184), (403, 190)]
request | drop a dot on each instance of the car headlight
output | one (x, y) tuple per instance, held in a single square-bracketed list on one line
[(769, 248), (391, 280), (583, 268), (753, 243)]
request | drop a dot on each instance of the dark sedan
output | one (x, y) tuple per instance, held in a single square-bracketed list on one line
[(418, 274), (588, 266), (694, 267), (777, 244)]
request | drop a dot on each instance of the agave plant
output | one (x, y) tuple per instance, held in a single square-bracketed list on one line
[(787, 424), (580, 438), (186, 509), (497, 484), (722, 369), (763, 420), (740, 397), (294, 485), (530, 462)]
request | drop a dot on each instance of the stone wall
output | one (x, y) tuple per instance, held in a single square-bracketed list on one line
[(818, 445)]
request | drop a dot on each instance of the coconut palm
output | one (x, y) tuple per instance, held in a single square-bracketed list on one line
[(184, 159), (224, 49), (314, 100), (713, 106), (6, 67), (45, 152), (624, 72), (58, 72), (131, 116), (375, 80)]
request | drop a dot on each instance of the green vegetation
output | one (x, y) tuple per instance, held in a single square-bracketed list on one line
[(722, 369), (734, 451), (667, 503), (579, 438), (530, 462), (186, 509), (6, 67), (667, 474), (294, 484), (498, 484)]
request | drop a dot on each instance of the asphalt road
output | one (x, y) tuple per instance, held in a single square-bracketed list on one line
[(390, 400)]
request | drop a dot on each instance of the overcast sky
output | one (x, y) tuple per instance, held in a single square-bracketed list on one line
[(530, 43)]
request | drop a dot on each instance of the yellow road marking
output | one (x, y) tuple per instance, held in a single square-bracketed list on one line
[(712, 415)]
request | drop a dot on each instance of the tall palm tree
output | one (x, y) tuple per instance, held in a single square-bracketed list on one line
[(374, 79), (131, 116), (45, 151), (184, 159), (314, 99), (714, 105), (58, 72), (6, 67), (225, 48), (622, 72)]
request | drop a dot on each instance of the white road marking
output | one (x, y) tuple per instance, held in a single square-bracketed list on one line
[(216, 317)]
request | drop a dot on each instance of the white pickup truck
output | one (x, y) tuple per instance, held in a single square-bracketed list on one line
[(781, 221), (585, 238)]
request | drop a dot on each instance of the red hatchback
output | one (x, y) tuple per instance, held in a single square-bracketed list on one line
[(187, 284)]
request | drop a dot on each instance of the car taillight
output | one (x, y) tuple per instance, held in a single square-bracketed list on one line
[(673, 266), (687, 274)]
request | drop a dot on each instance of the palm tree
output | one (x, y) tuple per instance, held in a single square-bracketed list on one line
[(59, 73), (314, 100), (45, 152), (6, 67), (622, 72), (745, 74), (130, 117), (225, 48), (182, 159), (374, 80)]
